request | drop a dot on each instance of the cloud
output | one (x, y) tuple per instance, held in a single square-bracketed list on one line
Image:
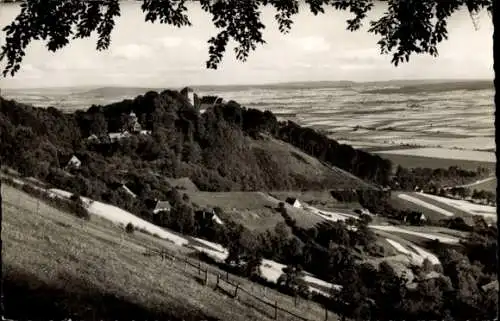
[(311, 43), (132, 51), (170, 42)]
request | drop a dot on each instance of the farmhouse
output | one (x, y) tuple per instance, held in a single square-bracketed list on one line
[(208, 215), (114, 137), (93, 139), (74, 162), (162, 206), (414, 218), (294, 202)]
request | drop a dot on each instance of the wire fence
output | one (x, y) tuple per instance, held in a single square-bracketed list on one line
[(223, 283)]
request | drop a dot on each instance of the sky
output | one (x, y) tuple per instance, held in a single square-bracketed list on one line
[(317, 49)]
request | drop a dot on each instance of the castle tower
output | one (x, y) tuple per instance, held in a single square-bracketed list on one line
[(188, 93)]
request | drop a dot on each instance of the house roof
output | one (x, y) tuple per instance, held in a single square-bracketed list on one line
[(162, 206), (73, 160), (118, 135)]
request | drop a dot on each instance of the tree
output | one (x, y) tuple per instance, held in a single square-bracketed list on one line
[(406, 28), (129, 228), (98, 125), (292, 280)]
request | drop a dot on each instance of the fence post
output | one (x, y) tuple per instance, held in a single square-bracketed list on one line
[(217, 285), (275, 310), (199, 267), (227, 275), (185, 264), (236, 291), (326, 313), (206, 276)]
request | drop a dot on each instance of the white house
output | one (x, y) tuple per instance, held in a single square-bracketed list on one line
[(74, 162), (162, 206), (294, 202), (117, 136)]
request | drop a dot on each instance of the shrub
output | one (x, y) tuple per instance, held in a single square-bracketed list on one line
[(81, 211), (129, 228)]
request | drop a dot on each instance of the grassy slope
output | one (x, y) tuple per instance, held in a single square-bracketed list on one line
[(59, 266), (299, 163), (183, 184)]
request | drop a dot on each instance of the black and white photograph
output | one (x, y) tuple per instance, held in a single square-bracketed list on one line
[(234, 160)]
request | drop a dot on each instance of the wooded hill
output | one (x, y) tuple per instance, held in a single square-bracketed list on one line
[(220, 150)]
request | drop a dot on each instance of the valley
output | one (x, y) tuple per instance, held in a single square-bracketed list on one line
[(265, 199)]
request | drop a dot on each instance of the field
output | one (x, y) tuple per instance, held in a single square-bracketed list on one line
[(478, 156), (60, 266), (424, 233), (489, 184), (255, 210), (412, 161), (488, 212), (437, 208)]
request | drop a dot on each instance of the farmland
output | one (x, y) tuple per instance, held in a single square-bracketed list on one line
[(412, 161)]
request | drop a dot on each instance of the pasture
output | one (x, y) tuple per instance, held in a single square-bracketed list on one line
[(60, 266)]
